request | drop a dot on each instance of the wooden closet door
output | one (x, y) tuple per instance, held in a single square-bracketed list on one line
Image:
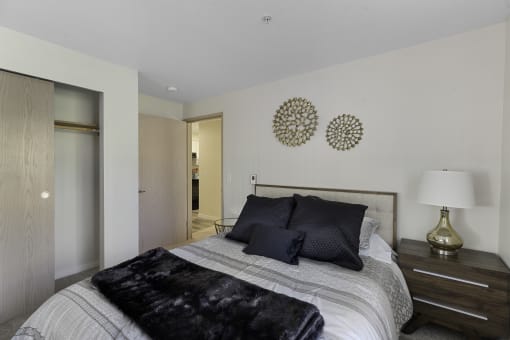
[(26, 174)]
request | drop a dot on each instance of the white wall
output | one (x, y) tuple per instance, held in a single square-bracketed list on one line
[(159, 107), (195, 147), (119, 123), (210, 169), (504, 233), (432, 106), (76, 183)]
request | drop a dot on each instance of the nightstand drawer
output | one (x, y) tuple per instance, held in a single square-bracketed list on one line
[(452, 278), (455, 273), (471, 298), (474, 314), (454, 289), (464, 319)]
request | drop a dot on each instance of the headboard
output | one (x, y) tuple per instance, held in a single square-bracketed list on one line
[(382, 206)]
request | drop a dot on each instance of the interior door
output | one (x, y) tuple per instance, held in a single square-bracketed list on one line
[(163, 182), (27, 263)]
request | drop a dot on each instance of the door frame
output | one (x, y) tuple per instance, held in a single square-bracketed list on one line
[(189, 121)]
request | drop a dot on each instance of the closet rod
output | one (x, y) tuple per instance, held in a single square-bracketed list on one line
[(62, 124)]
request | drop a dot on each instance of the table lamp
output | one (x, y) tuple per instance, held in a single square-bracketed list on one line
[(446, 189)]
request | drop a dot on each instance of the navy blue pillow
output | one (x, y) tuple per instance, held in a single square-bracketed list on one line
[(277, 243), (271, 212), (332, 230)]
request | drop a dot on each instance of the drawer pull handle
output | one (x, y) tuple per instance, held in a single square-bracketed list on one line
[(474, 283), (478, 316)]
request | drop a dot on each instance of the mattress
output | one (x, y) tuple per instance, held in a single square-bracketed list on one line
[(371, 304)]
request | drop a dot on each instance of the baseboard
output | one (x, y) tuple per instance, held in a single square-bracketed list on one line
[(75, 269)]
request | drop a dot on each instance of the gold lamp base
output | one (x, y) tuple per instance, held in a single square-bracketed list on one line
[(443, 239)]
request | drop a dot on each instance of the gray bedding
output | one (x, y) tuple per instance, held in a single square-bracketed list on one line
[(371, 304)]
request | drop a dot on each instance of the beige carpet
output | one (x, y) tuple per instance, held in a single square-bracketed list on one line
[(9, 328), (199, 223), (433, 332)]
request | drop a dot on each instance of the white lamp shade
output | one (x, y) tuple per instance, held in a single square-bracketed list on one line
[(447, 189)]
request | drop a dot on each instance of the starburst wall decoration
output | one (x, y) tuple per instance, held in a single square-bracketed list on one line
[(344, 132), (295, 121)]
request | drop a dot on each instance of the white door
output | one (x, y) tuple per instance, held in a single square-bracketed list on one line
[(163, 182)]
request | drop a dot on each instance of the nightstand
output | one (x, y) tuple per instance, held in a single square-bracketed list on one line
[(468, 292)]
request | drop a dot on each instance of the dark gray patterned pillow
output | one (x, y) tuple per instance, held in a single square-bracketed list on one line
[(271, 212), (332, 230), (277, 243)]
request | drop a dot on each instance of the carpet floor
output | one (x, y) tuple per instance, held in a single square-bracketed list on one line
[(433, 332), (199, 223)]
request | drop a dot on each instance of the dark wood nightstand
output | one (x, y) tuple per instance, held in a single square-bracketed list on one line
[(469, 292)]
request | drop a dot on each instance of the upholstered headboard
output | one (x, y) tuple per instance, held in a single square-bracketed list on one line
[(381, 205)]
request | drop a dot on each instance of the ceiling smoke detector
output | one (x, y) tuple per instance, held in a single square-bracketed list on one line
[(266, 19)]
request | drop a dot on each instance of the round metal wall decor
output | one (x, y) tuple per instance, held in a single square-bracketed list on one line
[(344, 132), (295, 121)]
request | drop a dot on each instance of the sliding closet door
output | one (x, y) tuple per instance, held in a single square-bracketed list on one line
[(26, 188), (163, 182)]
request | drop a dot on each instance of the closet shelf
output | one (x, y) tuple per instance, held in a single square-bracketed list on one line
[(62, 124)]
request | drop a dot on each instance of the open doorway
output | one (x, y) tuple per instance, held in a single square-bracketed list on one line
[(205, 176)]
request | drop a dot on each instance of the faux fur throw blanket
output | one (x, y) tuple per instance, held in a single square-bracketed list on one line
[(171, 298)]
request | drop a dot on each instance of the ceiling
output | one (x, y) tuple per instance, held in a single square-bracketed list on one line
[(210, 47)]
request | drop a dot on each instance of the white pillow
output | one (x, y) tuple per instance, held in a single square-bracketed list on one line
[(378, 249), (368, 227)]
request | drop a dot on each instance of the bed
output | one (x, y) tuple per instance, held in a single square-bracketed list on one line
[(373, 303)]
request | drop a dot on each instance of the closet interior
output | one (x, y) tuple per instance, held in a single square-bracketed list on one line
[(76, 180)]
